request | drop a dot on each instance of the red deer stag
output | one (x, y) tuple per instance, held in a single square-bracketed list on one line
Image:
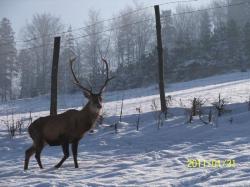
[(68, 127)]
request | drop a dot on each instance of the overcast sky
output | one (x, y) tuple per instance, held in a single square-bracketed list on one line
[(72, 12)]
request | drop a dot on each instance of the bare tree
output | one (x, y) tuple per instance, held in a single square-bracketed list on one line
[(70, 48), (92, 47), (40, 32), (133, 37), (186, 26), (219, 15), (220, 105), (157, 114)]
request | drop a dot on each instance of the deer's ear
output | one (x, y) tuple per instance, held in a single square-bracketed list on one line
[(86, 94)]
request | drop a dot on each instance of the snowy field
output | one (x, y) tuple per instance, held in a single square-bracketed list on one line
[(150, 156)]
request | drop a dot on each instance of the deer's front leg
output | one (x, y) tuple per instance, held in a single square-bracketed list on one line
[(65, 148), (74, 151)]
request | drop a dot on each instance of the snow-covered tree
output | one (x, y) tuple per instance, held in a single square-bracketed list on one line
[(240, 12), (246, 40), (233, 39), (205, 32), (8, 65), (67, 52), (40, 31), (28, 84), (92, 46), (168, 30), (187, 31)]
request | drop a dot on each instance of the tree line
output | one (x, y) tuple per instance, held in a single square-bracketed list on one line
[(196, 44)]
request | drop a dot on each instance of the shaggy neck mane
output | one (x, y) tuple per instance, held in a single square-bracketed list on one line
[(93, 113)]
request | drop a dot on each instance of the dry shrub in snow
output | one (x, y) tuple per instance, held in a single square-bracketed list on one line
[(157, 114)]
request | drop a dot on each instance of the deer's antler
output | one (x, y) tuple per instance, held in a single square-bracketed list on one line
[(107, 76), (76, 81)]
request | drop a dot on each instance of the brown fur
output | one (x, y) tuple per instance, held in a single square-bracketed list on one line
[(66, 128)]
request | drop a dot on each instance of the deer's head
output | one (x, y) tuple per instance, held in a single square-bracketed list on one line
[(95, 99)]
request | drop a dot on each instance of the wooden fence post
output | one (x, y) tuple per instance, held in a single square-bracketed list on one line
[(160, 59), (54, 72)]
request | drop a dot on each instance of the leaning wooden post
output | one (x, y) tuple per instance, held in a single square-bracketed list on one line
[(160, 59), (54, 72)]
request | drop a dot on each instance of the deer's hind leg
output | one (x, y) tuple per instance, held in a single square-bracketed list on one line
[(28, 153), (39, 147)]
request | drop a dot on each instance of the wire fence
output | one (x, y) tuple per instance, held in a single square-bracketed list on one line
[(119, 27), (171, 75)]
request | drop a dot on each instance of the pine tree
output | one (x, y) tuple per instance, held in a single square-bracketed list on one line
[(28, 86), (168, 30), (8, 65), (247, 40), (205, 32), (219, 43), (239, 13), (233, 36)]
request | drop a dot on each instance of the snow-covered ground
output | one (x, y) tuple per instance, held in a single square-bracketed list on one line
[(150, 156)]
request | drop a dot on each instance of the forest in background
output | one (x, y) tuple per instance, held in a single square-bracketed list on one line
[(196, 44)]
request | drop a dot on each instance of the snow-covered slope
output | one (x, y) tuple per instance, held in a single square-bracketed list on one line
[(150, 156)]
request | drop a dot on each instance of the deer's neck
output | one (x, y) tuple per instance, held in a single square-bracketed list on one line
[(90, 111), (88, 118)]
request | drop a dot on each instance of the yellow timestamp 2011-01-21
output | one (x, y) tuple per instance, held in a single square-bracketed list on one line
[(214, 163)]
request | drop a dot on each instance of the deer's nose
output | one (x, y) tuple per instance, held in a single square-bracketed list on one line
[(99, 106)]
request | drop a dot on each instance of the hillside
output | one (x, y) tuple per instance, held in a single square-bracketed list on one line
[(150, 156)]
